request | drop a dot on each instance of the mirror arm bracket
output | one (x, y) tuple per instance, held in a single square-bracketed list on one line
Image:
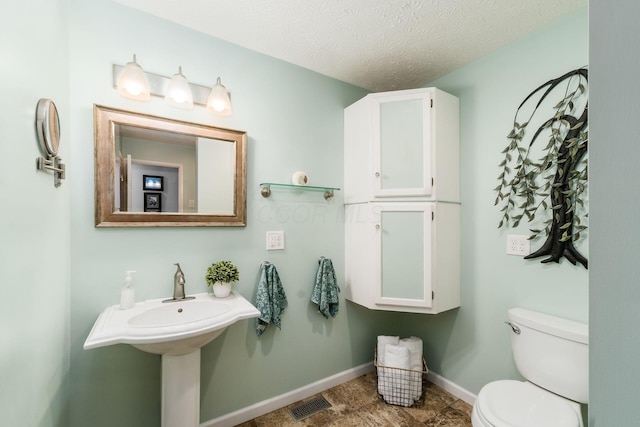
[(53, 164)]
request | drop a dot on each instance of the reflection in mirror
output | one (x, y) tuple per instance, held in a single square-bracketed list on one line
[(152, 171)]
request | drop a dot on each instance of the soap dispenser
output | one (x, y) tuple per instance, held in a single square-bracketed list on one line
[(127, 294)]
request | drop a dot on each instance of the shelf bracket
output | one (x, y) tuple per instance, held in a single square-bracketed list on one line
[(265, 190)]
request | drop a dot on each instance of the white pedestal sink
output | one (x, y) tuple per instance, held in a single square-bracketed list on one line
[(177, 331)]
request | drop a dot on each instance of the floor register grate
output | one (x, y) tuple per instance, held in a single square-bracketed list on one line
[(309, 408)]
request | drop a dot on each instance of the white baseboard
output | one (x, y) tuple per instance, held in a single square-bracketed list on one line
[(453, 388), (250, 412)]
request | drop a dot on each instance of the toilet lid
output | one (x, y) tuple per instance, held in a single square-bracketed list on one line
[(520, 404)]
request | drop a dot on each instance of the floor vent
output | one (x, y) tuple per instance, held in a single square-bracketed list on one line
[(309, 408)]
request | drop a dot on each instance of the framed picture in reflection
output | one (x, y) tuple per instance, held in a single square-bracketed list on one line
[(152, 182), (152, 202)]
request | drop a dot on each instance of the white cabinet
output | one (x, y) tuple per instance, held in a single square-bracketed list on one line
[(402, 211), (402, 145)]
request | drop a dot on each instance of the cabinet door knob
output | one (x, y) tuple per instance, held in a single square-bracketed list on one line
[(377, 226), (377, 174)]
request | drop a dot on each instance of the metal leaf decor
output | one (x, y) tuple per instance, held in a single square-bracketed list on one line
[(554, 185)]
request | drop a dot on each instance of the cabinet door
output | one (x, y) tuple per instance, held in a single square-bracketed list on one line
[(404, 246), (401, 145)]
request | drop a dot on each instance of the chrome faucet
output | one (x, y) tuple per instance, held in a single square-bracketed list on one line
[(178, 283), (178, 286)]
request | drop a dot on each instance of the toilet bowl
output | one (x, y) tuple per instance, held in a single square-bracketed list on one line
[(552, 354), (509, 403)]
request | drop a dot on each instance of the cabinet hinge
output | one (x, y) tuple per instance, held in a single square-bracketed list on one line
[(431, 102), (432, 181), (433, 216), (433, 295)]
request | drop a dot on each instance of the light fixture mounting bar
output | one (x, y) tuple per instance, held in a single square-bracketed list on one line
[(158, 85)]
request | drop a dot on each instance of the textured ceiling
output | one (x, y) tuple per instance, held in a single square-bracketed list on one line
[(375, 44)]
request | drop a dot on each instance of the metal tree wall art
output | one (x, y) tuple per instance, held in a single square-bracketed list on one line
[(550, 181)]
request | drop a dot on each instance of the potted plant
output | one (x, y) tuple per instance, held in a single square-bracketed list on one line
[(220, 276)]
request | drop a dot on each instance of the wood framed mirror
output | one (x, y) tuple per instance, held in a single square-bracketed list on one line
[(199, 172)]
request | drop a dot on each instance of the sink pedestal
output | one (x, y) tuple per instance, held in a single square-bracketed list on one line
[(181, 390)]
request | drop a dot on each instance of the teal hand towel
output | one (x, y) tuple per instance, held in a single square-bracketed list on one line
[(326, 289), (271, 300)]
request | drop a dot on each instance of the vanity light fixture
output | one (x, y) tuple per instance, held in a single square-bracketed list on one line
[(218, 101), (133, 83), (177, 91)]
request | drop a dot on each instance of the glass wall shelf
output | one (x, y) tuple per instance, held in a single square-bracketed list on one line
[(266, 189)]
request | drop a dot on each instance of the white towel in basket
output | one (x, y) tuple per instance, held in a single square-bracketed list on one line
[(397, 393), (414, 344), (383, 380)]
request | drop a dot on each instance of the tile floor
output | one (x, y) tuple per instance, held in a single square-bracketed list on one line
[(356, 404)]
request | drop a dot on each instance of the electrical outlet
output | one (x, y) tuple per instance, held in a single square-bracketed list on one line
[(518, 245), (275, 240)]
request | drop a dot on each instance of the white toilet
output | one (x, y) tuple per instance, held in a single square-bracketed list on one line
[(553, 355)]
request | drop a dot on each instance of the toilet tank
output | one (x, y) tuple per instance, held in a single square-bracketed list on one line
[(552, 352)]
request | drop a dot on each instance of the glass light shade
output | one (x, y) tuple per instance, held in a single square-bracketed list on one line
[(219, 102), (132, 83), (179, 93)]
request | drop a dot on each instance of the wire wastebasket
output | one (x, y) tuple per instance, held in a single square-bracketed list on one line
[(401, 387)]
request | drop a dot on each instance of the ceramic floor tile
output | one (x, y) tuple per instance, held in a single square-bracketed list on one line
[(462, 406), (356, 393), (449, 417), (356, 403), (390, 415), (435, 401)]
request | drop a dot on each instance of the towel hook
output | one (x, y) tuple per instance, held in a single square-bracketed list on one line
[(320, 259), (263, 263)]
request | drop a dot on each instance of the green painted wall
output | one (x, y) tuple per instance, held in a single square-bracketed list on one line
[(34, 219), (470, 346), (614, 280), (294, 122)]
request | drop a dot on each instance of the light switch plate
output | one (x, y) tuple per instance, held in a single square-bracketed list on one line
[(275, 240)]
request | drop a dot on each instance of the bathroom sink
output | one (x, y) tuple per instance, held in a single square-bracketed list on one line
[(179, 313), (172, 328)]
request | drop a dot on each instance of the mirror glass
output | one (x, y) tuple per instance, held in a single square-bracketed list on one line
[(154, 171)]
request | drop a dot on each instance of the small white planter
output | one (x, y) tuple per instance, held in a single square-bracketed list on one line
[(221, 289)]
